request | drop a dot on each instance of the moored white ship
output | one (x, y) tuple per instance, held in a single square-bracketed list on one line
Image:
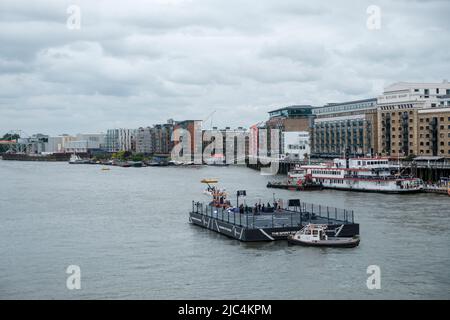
[(360, 174), (75, 159)]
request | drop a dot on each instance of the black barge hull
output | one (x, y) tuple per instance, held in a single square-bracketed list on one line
[(310, 187)]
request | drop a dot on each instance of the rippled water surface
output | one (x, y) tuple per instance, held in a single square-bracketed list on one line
[(128, 230)]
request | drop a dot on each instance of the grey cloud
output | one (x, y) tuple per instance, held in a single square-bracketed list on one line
[(137, 63)]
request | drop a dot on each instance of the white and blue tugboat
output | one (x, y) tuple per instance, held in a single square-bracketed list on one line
[(315, 235)]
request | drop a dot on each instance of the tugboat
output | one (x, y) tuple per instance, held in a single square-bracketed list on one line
[(297, 180), (315, 235)]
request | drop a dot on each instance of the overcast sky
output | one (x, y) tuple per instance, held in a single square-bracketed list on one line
[(137, 63)]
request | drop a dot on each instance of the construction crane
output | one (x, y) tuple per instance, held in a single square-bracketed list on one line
[(210, 116), (11, 142)]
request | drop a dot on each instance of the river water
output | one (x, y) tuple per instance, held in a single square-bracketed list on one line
[(127, 229)]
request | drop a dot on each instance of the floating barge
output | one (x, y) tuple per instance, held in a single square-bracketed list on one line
[(272, 224)]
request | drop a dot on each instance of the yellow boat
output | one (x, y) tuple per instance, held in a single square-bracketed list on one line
[(106, 169), (208, 181)]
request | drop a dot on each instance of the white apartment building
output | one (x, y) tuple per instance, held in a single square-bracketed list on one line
[(119, 140), (84, 142), (295, 145), (81, 143), (402, 95), (144, 140)]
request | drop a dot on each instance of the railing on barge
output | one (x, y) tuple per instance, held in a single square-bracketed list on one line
[(306, 212)]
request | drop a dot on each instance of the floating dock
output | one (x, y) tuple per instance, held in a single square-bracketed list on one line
[(271, 225)]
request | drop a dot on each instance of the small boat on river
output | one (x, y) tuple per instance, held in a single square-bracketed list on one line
[(315, 235), (75, 159), (300, 181)]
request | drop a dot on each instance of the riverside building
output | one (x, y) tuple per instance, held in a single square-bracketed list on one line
[(161, 136), (144, 140), (187, 139), (345, 127), (119, 140), (225, 145), (294, 124), (414, 119)]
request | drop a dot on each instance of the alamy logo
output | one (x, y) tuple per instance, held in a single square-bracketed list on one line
[(374, 280), (374, 18), (74, 19), (74, 280)]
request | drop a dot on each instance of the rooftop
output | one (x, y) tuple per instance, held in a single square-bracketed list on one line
[(349, 102), (293, 107)]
